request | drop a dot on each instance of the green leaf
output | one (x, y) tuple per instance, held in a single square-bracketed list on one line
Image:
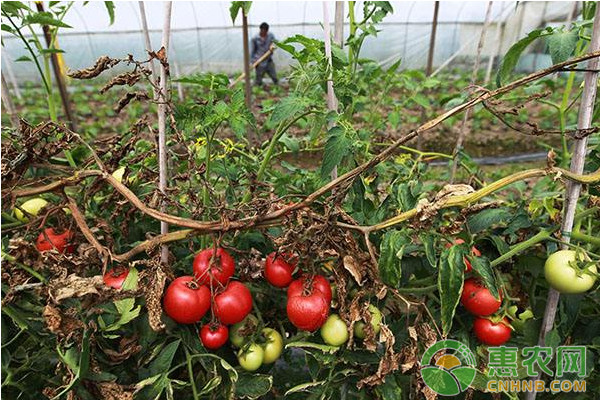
[(481, 265), (450, 284), (210, 385), (391, 251), (562, 45), (44, 18), (511, 58), (336, 148), (110, 9), (389, 390), (12, 8), (163, 361), (323, 347), (253, 386), (291, 142), (428, 241), (304, 386), (486, 218), (236, 6), (51, 51), (23, 58), (288, 108)]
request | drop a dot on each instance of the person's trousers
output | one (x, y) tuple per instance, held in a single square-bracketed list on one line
[(268, 68)]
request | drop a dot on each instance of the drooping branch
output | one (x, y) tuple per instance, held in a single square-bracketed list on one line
[(259, 220)]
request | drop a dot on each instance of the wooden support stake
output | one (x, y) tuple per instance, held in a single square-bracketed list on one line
[(573, 189), (162, 111), (60, 79), (331, 99), (248, 85), (434, 23)]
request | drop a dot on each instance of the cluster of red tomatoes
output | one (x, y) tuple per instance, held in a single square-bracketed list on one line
[(477, 299), (309, 301)]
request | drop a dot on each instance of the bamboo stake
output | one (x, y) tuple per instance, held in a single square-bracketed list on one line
[(10, 107), (60, 79), (247, 84), (254, 65), (147, 41), (434, 24), (331, 99), (338, 24), (463, 130), (162, 110), (573, 189)]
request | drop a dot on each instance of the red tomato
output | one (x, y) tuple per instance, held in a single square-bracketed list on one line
[(220, 270), (233, 304), (214, 336), (474, 251), (51, 239), (279, 269), (478, 300), (318, 282), (186, 301), (490, 333), (308, 312), (116, 276)]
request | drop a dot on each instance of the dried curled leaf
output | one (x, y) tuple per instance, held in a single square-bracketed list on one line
[(74, 286), (126, 78), (387, 364), (354, 268), (127, 97), (63, 324), (102, 64), (153, 293), (109, 391)]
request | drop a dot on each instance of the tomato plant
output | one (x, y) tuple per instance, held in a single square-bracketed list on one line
[(308, 311), (251, 357), (214, 336), (185, 301), (115, 277), (279, 269), (563, 274), (50, 239), (490, 332), (334, 331), (273, 345), (375, 322), (213, 266), (233, 304), (378, 260), (308, 284), (478, 299)]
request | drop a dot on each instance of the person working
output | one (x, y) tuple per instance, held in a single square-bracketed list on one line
[(261, 44)]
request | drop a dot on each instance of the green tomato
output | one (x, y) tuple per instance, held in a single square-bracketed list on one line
[(334, 331), (247, 326), (32, 206), (359, 327), (562, 276), (251, 358), (273, 346)]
